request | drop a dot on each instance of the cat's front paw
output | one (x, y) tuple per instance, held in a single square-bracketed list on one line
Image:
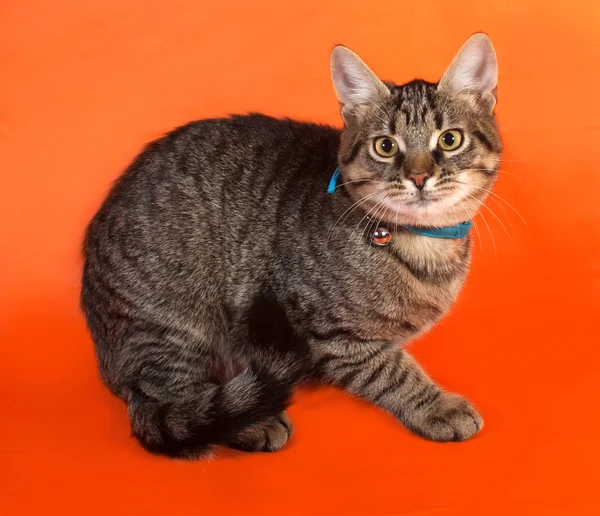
[(450, 418)]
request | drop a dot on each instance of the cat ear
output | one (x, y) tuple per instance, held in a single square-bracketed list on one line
[(353, 80), (473, 70)]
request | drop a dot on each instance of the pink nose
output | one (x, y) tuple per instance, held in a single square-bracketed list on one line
[(419, 179)]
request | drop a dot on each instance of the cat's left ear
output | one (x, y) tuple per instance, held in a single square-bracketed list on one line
[(473, 70)]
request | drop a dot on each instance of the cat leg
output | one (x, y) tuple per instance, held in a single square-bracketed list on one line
[(177, 410), (271, 436), (390, 378)]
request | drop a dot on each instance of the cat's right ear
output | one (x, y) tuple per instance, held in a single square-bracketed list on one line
[(354, 82)]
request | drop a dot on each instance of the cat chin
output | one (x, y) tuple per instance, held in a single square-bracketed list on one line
[(433, 213)]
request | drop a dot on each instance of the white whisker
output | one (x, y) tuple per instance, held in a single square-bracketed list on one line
[(513, 175), (502, 160), (499, 171), (497, 196), (386, 116), (349, 210), (474, 225), (359, 181), (486, 225), (496, 216), (366, 216)]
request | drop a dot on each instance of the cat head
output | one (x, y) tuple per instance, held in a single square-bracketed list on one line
[(422, 153)]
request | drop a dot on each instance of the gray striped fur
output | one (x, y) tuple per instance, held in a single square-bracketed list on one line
[(219, 274)]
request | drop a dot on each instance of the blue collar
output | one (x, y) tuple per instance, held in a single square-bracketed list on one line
[(459, 230), (333, 181)]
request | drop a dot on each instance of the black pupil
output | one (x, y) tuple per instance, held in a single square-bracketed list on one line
[(387, 145), (449, 139)]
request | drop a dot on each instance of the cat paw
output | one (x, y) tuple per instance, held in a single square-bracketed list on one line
[(450, 418), (268, 438)]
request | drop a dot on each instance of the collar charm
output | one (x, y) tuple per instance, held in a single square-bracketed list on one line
[(381, 236)]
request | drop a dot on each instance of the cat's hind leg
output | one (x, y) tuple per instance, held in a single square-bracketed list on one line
[(177, 409), (269, 437)]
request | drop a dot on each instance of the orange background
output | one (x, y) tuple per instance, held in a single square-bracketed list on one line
[(86, 83)]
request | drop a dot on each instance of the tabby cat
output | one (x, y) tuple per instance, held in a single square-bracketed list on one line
[(219, 273)]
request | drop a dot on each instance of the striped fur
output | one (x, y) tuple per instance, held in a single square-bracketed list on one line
[(218, 274)]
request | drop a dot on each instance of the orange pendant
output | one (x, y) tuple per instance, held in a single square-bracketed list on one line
[(381, 236)]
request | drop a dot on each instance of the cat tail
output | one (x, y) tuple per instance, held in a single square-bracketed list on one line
[(187, 427)]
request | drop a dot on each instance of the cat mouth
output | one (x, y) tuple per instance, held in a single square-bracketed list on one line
[(422, 198)]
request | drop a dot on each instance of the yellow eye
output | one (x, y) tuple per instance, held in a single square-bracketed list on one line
[(450, 140), (386, 147)]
